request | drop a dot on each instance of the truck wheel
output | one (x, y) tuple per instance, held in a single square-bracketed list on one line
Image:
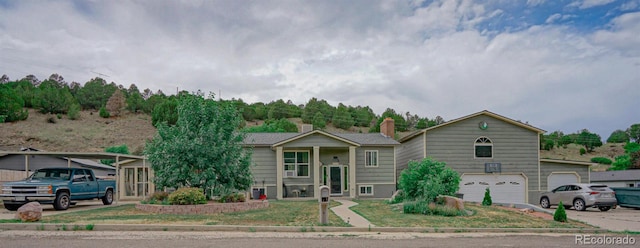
[(12, 207), (107, 199), (62, 201)]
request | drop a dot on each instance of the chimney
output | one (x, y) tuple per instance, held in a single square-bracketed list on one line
[(387, 128), (306, 128)]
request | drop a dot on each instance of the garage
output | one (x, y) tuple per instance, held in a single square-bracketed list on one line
[(504, 188), (558, 178)]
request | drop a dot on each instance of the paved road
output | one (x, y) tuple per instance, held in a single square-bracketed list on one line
[(96, 239), (619, 219)]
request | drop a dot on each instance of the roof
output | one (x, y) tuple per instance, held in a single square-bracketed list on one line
[(623, 175), (484, 112), (273, 139), (559, 161)]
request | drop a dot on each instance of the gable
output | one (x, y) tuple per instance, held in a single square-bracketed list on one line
[(317, 139)]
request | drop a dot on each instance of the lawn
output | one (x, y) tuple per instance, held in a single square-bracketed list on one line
[(279, 213), (381, 214)]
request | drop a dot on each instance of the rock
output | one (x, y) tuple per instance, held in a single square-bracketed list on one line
[(396, 194), (452, 202), (526, 210), (29, 212)]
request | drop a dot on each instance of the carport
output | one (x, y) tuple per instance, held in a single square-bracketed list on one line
[(69, 156)]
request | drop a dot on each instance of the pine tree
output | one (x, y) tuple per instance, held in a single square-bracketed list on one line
[(487, 198), (560, 214)]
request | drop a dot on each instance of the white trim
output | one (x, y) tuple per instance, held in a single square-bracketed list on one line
[(296, 165), (377, 158), (563, 172), (376, 184), (365, 186), (475, 144), (341, 179)]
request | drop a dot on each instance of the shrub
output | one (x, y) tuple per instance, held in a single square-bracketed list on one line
[(422, 207), (52, 119), (59, 116), (601, 160), (187, 196), (549, 144), (582, 151), (560, 215), (486, 201), (74, 111), (427, 179), (157, 198), (233, 198), (104, 113)]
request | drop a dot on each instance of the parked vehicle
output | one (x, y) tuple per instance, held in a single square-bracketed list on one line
[(580, 197), (61, 187)]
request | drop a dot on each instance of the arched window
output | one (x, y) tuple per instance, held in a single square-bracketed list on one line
[(483, 148)]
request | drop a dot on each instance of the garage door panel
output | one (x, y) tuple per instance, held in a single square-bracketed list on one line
[(504, 188), (558, 179)]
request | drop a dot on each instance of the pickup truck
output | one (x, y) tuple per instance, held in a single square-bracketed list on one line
[(61, 187)]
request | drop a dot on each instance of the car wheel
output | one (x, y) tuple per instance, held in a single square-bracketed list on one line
[(604, 208), (544, 202), (578, 205), (62, 201), (107, 199)]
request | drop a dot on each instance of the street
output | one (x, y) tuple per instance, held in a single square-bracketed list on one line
[(106, 239)]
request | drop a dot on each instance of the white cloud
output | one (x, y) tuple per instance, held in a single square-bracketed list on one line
[(585, 4), (534, 3), (553, 18), (429, 60)]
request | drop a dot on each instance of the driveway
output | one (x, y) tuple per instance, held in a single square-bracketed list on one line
[(48, 209), (619, 219)]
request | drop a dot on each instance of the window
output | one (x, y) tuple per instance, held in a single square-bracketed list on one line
[(483, 148), (371, 158), (296, 164), (366, 190), (345, 172), (79, 176)]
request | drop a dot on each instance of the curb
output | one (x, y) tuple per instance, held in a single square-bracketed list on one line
[(227, 228)]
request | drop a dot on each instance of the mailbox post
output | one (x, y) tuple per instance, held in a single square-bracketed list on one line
[(324, 204)]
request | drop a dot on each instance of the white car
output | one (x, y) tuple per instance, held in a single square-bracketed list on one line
[(580, 196)]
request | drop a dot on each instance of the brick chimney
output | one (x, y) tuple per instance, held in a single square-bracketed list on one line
[(387, 128)]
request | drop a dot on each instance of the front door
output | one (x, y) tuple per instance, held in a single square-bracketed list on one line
[(335, 175)]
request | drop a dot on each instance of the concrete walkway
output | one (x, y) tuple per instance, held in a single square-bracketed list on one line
[(349, 216)]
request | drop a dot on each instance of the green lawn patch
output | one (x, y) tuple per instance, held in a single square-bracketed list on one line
[(381, 214), (279, 213)]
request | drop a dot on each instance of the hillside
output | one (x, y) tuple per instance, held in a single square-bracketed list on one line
[(91, 133)]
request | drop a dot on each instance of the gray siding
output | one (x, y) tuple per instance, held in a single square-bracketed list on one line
[(516, 148), (379, 191), (316, 140), (412, 149), (263, 167), (384, 173), (547, 167)]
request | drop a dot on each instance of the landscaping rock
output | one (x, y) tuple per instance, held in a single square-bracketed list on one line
[(527, 210), (452, 202), (29, 212), (396, 194)]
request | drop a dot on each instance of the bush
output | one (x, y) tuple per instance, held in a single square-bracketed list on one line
[(422, 207), (52, 119), (548, 145), (74, 111), (160, 197), (601, 160), (104, 113), (560, 215), (582, 151), (187, 196), (427, 179), (486, 201), (233, 198)]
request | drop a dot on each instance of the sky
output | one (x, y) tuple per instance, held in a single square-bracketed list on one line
[(558, 65)]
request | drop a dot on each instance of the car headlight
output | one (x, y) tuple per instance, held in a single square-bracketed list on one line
[(47, 189)]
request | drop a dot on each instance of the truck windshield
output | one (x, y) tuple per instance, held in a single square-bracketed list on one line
[(62, 174)]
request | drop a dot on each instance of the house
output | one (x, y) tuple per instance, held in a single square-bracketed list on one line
[(495, 152), (17, 162), (622, 178), (355, 165)]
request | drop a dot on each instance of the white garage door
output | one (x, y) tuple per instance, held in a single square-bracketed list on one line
[(504, 188), (557, 179)]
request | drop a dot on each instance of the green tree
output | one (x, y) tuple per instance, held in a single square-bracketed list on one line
[(422, 123), (630, 158), (152, 102), (104, 113), (399, 122), (203, 149), (318, 121), (135, 102), (342, 118), (278, 110), (560, 214), (11, 105), (486, 201), (261, 110), (52, 98), (26, 90), (565, 140), (618, 136), (314, 106), (426, 179), (122, 149), (274, 126), (74, 111), (634, 132), (95, 93), (165, 111), (589, 140), (362, 115)]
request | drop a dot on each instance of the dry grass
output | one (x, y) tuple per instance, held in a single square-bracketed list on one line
[(572, 152)]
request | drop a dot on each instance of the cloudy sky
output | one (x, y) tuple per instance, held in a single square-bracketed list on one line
[(559, 65)]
